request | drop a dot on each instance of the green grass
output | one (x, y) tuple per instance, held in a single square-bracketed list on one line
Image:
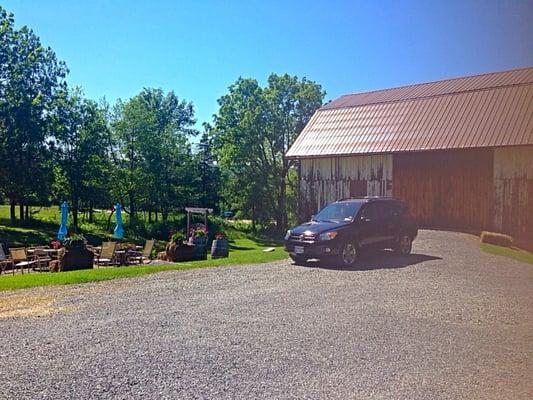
[(242, 251), (516, 254), (44, 224)]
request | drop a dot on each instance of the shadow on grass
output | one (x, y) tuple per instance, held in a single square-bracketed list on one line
[(267, 242), (30, 224), (376, 260), (233, 247), (14, 238)]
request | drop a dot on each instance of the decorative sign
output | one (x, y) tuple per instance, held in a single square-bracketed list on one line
[(198, 210)]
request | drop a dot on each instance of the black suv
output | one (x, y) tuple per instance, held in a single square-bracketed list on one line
[(343, 228)]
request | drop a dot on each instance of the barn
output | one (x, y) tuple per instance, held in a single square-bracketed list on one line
[(458, 151)]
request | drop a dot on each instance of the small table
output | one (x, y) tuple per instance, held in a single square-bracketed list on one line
[(122, 257)]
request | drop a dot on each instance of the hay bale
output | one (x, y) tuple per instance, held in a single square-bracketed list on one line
[(499, 239)]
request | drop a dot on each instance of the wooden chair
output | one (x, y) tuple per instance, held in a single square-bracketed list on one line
[(21, 259), (107, 254), (42, 258), (5, 261), (146, 253)]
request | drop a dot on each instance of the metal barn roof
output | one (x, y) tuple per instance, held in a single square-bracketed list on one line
[(479, 111)]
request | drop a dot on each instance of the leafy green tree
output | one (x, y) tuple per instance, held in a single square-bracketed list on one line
[(238, 138), (208, 172), (252, 132), (152, 131), (80, 147), (30, 76), (291, 102)]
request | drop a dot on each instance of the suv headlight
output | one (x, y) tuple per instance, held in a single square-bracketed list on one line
[(287, 235), (328, 235)]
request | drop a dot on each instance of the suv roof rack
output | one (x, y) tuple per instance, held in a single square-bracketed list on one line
[(369, 198)]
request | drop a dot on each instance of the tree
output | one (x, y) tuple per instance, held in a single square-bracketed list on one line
[(238, 138), (208, 171), (152, 131), (80, 145), (292, 103), (252, 132), (30, 76)]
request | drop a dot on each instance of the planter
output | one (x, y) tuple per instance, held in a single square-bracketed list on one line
[(219, 248), (180, 252), (77, 258), (200, 246)]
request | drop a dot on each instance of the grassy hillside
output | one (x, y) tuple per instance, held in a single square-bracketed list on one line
[(44, 224)]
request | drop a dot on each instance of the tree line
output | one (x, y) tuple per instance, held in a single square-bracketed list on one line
[(144, 152)]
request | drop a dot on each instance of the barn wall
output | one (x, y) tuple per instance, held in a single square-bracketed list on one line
[(447, 189), (471, 189), (323, 180), (513, 187)]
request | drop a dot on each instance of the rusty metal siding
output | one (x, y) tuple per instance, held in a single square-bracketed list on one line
[(482, 116), (513, 191), (447, 189), (324, 180)]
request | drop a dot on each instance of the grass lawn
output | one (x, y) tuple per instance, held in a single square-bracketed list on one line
[(517, 254), (242, 251), (44, 225)]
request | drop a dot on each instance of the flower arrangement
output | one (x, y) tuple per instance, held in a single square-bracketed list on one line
[(220, 236), (199, 233), (56, 244), (198, 230)]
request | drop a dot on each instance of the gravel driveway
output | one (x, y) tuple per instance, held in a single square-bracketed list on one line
[(447, 322)]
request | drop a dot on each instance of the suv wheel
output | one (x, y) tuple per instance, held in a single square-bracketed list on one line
[(404, 244), (349, 254)]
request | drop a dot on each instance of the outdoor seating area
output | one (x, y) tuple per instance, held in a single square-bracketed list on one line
[(69, 252), (43, 259)]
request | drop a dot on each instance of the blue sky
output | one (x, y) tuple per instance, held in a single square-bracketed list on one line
[(198, 48)]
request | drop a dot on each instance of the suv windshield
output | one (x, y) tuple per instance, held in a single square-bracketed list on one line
[(338, 212)]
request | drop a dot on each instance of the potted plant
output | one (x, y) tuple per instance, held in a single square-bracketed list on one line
[(75, 241), (177, 249), (178, 238), (199, 239), (76, 256), (219, 247)]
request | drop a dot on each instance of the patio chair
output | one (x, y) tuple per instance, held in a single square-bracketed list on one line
[(21, 259), (5, 261), (42, 258), (107, 254), (146, 253)]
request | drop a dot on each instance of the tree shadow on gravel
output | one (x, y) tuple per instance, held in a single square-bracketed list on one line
[(376, 260)]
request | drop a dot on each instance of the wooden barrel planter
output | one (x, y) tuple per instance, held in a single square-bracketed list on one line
[(77, 257), (200, 247), (219, 248), (180, 252)]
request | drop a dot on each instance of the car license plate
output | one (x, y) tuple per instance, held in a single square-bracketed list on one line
[(299, 249)]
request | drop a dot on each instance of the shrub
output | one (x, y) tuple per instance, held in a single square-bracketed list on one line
[(178, 237), (498, 239), (76, 240)]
